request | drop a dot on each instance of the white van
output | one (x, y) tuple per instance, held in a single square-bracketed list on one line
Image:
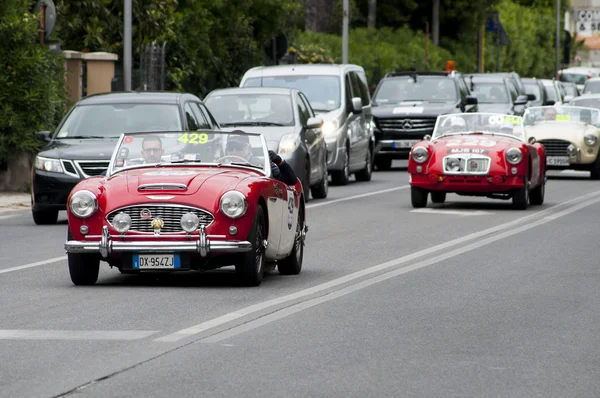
[(340, 95)]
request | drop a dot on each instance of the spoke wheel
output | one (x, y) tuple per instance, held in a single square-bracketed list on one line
[(292, 264), (251, 265)]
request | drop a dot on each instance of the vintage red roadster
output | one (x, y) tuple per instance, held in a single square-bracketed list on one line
[(478, 154), (180, 201)]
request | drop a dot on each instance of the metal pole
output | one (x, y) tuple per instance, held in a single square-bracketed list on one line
[(127, 46), (498, 50), (436, 23), (557, 37), (346, 12), (42, 23)]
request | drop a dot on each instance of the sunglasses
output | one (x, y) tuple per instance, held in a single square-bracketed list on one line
[(153, 150), (235, 146)]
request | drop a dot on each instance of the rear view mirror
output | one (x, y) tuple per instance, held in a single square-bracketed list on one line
[(427, 137), (314, 123), (531, 97), (531, 140), (471, 100), (44, 135), (357, 105), (521, 100), (550, 102)]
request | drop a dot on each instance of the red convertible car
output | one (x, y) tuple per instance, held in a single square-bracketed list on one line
[(180, 201), (478, 154)]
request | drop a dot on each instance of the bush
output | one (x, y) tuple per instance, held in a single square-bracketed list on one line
[(33, 95)]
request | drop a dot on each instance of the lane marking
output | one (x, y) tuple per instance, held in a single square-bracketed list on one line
[(255, 308), (37, 264), (19, 334), (454, 212), (362, 195)]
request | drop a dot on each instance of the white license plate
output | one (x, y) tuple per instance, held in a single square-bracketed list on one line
[(156, 261), (558, 161), (404, 143)]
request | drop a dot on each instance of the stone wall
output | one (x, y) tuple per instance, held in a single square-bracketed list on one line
[(17, 177)]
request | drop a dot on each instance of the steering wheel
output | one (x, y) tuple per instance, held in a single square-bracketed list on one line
[(234, 157)]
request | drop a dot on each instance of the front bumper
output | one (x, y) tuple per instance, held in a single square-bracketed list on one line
[(467, 183), (50, 191), (391, 149), (204, 245)]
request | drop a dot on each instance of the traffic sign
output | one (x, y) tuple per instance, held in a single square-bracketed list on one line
[(492, 22)]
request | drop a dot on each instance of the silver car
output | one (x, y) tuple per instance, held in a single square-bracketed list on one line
[(288, 123)]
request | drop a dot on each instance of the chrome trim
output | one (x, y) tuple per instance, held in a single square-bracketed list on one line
[(63, 161), (203, 246), (154, 205), (161, 236), (80, 169), (466, 157), (163, 186)]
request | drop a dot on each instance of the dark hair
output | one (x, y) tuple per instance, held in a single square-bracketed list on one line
[(151, 138)]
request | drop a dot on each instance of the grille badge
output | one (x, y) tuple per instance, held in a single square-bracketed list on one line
[(145, 214), (407, 124)]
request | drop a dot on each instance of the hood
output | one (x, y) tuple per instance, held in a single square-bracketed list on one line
[(407, 109), (560, 130), (80, 149), (495, 108)]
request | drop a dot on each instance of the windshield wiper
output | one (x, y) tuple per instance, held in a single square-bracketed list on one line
[(87, 136), (182, 161), (252, 124), (245, 164)]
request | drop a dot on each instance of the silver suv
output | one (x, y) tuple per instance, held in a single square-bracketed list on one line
[(339, 94)]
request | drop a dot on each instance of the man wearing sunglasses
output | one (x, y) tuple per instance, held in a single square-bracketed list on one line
[(152, 149), (239, 145)]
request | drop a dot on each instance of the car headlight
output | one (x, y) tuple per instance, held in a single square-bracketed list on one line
[(329, 128), (121, 222), (233, 204), (514, 155), (189, 222), (420, 154), (288, 143), (48, 164), (452, 164), (83, 204), (590, 139)]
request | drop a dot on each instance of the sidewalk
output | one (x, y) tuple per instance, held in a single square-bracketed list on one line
[(15, 200)]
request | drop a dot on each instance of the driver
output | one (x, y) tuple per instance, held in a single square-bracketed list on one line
[(550, 114), (238, 144), (457, 124), (152, 149)]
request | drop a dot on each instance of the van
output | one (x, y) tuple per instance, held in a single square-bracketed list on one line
[(338, 94)]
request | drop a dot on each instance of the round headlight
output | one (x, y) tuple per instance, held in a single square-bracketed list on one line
[(233, 204), (121, 222), (452, 164), (590, 139), (514, 156), (420, 154), (189, 222), (83, 204)]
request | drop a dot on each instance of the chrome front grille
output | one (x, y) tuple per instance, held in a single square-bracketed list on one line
[(412, 127), (91, 168), (466, 165), (555, 147), (170, 214)]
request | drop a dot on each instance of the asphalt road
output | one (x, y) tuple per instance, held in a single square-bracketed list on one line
[(469, 298)]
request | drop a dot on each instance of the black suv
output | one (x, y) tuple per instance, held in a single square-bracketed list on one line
[(406, 106), (84, 141)]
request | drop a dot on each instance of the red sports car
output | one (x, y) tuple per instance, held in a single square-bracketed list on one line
[(478, 154), (179, 201)]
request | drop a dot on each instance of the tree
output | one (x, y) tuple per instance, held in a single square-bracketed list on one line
[(318, 14)]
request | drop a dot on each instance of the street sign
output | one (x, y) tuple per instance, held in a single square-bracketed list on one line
[(492, 22), (50, 20)]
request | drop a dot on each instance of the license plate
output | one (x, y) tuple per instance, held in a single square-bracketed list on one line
[(558, 161), (156, 261), (404, 143)]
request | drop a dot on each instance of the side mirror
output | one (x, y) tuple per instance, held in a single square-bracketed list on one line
[(426, 137), (531, 97), (44, 135), (471, 100), (314, 123), (521, 100), (568, 98), (550, 102), (357, 105), (531, 140)]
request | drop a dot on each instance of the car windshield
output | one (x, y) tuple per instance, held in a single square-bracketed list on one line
[(533, 88), (561, 114), (577, 78), (251, 109), (586, 102), (425, 88), (479, 123), (190, 147), (491, 93), (592, 87), (111, 120), (323, 92)]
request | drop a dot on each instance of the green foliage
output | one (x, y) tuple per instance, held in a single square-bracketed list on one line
[(33, 95)]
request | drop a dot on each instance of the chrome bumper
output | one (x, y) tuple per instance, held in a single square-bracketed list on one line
[(203, 245)]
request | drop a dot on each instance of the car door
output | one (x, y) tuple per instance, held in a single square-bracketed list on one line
[(359, 127), (289, 219), (309, 136), (318, 150)]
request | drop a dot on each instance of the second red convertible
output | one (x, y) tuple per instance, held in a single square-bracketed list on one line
[(478, 154)]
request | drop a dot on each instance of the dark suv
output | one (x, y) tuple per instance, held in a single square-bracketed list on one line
[(406, 106), (83, 143)]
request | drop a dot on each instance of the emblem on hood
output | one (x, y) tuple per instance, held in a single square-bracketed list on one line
[(407, 124), (157, 224)]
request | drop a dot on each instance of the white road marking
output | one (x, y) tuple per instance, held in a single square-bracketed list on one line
[(37, 264), (455, 212), (362, 195), (75, 334), (253, 309)]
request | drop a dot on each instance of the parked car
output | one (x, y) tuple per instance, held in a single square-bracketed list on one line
[(571, 91), (287, 121), (513, 78), (406, 105), (577, 75), (495, 94), (588, 101), (570, 134), (198, 203), (478, 154), (84, 140), (554, 92), (592, 86), (534, 87), (340, 95)]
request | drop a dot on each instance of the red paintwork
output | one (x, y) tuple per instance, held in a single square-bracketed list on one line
[(504, 180), (205, 188)]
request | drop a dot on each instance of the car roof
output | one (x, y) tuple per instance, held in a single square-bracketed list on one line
[(586, 96), (253, 90), (135, 97), (593, 79), (481, 77), (310, 69), (529, 80)]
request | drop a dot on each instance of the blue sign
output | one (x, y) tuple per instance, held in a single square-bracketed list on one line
[(492, 23)]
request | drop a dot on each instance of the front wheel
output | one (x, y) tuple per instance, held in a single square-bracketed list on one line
[(83, 268), (595, 170), (418, 197), (383, 163), (536, 197), (365, 174), (438, 196), (44, 217), (321, 190), (521, 196), (250, 266), (292, 264), (342, 177)]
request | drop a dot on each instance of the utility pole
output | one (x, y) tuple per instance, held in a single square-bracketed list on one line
[(435, 28), (557, 37), (127, 46), (345, 23)]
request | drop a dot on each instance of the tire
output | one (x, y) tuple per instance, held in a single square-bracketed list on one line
[(83, 267), (383, 163), (306, 180), (321, 190), (292, 264), (520, 197), (536, 196), (438, 196), (595, 170), (251, 265), (418, 197), (366, 173), (341, 177), (44, 217)]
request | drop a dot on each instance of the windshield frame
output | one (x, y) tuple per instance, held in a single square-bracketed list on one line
[(556, 108), (522, 138), (111, 171)]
